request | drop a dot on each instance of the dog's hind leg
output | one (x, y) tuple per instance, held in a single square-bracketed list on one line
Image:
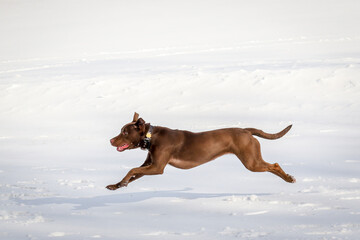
[(277, 170), (259, 165), (253, 161)]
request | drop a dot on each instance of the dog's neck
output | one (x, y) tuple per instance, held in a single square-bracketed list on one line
[(145, 144)]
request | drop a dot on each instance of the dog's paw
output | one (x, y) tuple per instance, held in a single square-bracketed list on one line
[(291, 179), (112, 187)]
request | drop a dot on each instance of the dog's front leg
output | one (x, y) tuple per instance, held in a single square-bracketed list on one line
[(137, 176), (147, 162), (141, 171), (136, 173), (153, 165)]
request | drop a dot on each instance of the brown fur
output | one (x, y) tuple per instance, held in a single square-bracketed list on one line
[(185, 150)]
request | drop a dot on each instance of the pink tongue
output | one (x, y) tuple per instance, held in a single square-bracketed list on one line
[(123, 147)]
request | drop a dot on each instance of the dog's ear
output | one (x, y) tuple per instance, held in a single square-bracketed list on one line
[(136, 117), (140, 124)]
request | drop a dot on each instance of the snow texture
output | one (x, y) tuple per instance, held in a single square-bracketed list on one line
[(73, 72)]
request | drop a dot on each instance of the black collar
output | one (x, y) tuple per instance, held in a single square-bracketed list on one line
[(146, 143)]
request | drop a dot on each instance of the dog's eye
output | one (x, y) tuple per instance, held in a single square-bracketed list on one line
[(125, 133)]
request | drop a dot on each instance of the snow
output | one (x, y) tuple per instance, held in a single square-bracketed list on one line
[(72, 73)]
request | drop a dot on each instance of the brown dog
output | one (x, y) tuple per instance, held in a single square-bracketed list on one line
[(185, 150)]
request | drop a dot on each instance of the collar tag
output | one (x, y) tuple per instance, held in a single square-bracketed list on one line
[(149, 133), (146, 143)]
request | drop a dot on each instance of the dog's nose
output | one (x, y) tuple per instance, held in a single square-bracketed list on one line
[(112, 141)]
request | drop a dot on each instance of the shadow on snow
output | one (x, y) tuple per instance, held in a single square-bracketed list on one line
[(105, 200)]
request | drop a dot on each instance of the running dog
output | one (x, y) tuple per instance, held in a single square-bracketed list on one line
[(185, 150)]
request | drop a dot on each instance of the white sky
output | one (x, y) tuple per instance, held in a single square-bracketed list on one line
[(31, 29)]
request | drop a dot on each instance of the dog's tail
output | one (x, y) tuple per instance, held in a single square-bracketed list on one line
[(265, 135)]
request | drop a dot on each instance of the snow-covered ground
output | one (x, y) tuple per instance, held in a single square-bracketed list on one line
[(73, 72)]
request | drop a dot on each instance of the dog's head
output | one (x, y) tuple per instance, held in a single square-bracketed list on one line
[(131, 135)]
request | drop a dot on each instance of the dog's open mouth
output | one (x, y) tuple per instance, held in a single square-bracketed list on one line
[(123, 147)]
